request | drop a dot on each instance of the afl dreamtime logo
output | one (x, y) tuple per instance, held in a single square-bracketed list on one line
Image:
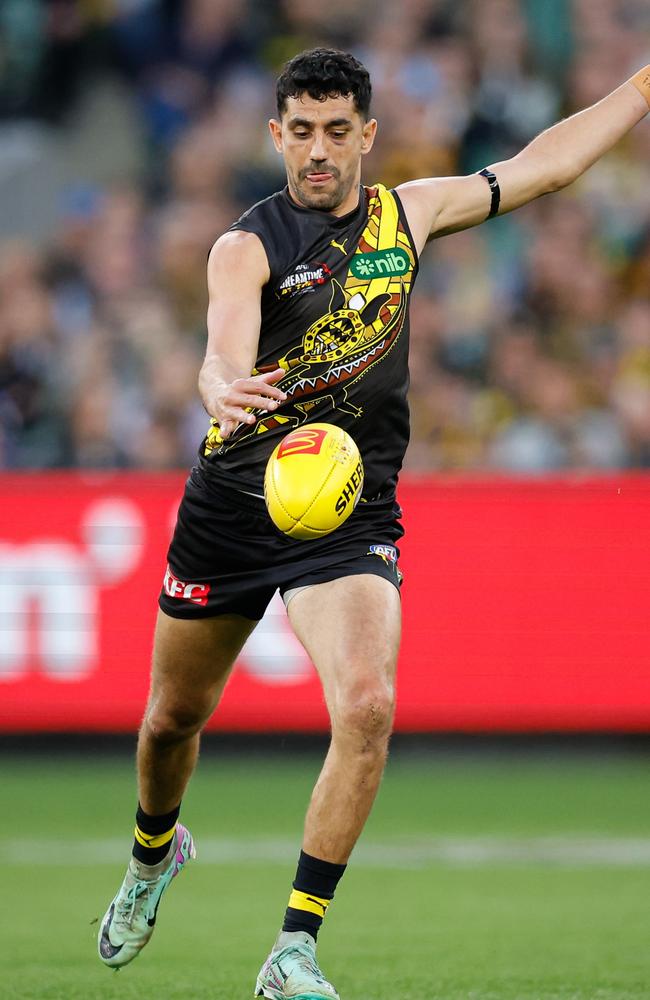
[(304, 278), (380, 264)]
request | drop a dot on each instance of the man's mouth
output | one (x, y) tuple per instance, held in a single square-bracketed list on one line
[(319, 178)]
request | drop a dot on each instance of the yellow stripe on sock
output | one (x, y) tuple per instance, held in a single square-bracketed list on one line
[(304, 901), (155, 840)]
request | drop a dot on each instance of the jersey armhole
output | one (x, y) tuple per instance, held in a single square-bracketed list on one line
[(242, 228), (405, 223)]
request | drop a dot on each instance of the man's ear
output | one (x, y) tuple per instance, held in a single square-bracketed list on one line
[(368, 135), (275, 128)]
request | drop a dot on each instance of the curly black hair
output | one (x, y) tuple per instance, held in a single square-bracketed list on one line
[(323, 73)]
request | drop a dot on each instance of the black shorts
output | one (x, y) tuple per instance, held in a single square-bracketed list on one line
[(227, 557)]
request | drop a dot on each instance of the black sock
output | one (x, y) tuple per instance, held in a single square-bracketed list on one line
[(313, 890), (153, 835)]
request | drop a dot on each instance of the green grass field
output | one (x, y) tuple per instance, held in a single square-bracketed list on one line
[(477, 879)]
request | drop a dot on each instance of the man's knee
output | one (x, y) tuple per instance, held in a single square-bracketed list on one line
[(366, 711), (173, 723)]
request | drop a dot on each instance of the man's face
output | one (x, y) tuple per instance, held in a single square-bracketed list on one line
[(322, 143)]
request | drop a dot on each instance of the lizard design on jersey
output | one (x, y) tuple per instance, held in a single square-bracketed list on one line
[(363, 322)]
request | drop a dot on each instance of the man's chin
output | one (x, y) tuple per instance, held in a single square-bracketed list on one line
[(322, 199)]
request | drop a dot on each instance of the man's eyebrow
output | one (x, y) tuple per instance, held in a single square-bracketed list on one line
[(298, 122)]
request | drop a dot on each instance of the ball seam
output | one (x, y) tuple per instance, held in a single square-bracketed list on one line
[(322, 487)]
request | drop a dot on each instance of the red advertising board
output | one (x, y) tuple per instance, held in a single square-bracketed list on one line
[(525, 608)]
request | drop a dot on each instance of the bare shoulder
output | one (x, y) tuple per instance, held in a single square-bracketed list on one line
[(435, 206), (237, 271), (419, 200), (238, 255)]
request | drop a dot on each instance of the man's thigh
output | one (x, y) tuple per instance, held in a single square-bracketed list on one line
[(351, 629), (192, 659)]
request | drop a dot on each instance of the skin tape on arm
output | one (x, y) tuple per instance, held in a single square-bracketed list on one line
[(641, 81)]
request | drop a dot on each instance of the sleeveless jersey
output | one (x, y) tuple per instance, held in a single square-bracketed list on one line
[(334, 315)]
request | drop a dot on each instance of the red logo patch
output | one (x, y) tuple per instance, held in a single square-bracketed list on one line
[(308, 441), (197, 593)]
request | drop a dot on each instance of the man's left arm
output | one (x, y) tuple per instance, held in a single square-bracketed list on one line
[(555, 158)]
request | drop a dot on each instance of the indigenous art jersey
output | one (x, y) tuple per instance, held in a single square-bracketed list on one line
[(335, 317)]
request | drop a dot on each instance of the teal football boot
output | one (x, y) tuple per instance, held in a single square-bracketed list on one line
[(291, 971), (130, 919)]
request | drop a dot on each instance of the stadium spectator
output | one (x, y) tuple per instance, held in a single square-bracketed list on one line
[(530, 336)]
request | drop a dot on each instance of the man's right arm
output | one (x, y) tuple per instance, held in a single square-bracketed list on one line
[(237, 271)]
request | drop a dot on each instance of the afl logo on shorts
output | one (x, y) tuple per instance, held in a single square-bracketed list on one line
[(386, 552)]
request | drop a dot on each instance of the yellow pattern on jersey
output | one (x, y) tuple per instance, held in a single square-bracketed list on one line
[(321, 344)]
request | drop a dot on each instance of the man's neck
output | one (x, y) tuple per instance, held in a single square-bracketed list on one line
[(350, 203)]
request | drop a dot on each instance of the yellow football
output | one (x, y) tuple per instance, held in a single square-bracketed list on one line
[(313, 481)]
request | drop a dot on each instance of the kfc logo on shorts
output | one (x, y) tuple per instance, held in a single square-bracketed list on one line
[(197, 593)]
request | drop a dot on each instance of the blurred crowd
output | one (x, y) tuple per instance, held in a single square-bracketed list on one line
[(530, 335)]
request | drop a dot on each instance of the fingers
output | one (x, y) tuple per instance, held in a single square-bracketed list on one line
[(228, 425), (267, 387), (240, 416), (254, 402), (255, 393), (245, 394), (271, 377)]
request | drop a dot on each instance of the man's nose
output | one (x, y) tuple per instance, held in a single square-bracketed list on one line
[(318, 150)]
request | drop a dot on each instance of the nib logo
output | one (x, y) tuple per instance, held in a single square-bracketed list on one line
[(380, 263)]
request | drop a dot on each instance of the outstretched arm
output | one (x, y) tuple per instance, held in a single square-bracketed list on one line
[(237, 271), (439, 205)]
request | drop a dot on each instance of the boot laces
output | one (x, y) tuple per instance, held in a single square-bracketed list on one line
[(306, 961), (126, 907)]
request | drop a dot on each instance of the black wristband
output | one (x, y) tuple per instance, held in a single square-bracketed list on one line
[(494, 188)]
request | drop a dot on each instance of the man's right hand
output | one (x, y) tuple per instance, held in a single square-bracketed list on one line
[(230, 403)]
